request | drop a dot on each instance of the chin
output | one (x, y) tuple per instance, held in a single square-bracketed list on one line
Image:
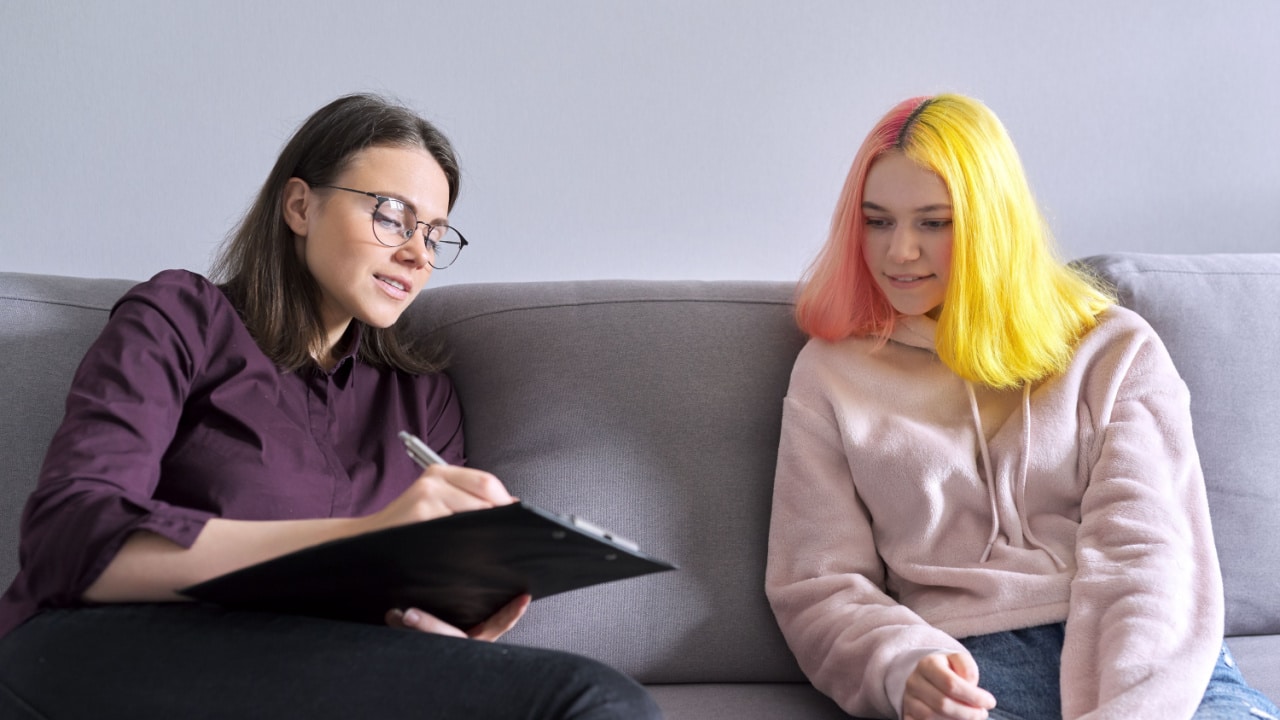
[(381, 321)]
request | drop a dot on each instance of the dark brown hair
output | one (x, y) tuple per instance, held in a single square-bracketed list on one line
[(258, 266)]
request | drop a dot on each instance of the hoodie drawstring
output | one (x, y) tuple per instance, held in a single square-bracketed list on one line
[(1021, 486), (986, 466)]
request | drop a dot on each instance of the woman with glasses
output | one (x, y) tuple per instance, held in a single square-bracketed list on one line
[(988, 501), (217, 424)]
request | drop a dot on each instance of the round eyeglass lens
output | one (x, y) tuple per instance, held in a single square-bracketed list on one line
[(393, 223), (444, 247)]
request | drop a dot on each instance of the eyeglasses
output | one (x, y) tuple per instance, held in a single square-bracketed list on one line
[(394, 225)]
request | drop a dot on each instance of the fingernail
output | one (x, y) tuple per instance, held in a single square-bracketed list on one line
[(412, 617)]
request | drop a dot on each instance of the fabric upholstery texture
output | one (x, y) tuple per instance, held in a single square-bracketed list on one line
[(652, 409)]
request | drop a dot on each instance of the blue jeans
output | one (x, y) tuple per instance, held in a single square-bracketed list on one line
[(1020, 667)]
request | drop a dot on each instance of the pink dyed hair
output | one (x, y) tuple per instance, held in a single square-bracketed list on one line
[(840, 298)]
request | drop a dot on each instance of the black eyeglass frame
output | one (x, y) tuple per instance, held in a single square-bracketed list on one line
[(426, 235)]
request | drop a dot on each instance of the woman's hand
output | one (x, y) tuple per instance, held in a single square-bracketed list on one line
[(443, 490), (490, 630), (440, 490), (945, 687)]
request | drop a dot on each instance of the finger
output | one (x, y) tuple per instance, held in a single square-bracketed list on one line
[(415, 619), (452, 498), (939, 707), (922, 700), (965, 688), (936, 690), (922, 697), (476, 483), (502, 621), (963, 665), (444, 491)]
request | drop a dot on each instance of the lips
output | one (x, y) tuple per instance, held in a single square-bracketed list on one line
[(907, 280), (395, 285)]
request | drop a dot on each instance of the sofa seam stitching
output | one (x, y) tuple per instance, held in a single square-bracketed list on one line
[(1155, 271), (62, 303), (553, 306)]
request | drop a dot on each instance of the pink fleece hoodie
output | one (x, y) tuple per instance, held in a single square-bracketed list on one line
[(911, 508)]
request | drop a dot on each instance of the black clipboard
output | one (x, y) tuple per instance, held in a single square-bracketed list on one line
[(461, 568)]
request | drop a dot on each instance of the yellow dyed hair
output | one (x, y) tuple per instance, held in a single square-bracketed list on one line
[(1013, 311)]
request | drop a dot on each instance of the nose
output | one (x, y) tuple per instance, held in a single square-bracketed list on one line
[(415, 252), (903, 246)]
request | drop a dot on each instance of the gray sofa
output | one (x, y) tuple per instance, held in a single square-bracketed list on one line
[(653, 407)]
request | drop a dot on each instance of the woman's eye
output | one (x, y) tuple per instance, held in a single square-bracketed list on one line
[(385, 221), (937, 224), (878, 222)]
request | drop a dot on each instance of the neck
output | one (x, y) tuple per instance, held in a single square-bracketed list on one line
[(326, 356)]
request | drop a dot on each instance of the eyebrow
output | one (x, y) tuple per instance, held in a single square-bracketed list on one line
[(867, 205)]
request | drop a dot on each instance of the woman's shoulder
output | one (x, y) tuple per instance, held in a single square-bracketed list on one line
[(171, 285), (179, 293), (179, 304)]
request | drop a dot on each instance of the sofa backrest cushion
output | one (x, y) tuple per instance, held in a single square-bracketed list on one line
[(1218, 316), (651, 408)]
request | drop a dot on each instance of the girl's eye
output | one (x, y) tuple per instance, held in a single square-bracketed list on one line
[(873, 222), (937, 224)]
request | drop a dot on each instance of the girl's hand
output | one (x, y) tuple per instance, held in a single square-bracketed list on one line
[(440, 490), (489, 630), (945, 687)]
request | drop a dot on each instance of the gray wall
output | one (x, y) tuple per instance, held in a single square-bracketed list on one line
[(650, 139)]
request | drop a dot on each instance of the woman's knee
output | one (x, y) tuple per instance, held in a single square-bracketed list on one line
[(592, 690)]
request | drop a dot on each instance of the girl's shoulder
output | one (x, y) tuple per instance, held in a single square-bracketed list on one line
[(1118, 326)]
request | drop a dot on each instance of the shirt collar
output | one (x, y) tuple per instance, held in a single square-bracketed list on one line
[(342, 369)]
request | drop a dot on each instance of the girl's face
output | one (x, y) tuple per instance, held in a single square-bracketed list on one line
[(907, 245), (358, 276)]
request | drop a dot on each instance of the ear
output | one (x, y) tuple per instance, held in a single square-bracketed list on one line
[(295, 203)]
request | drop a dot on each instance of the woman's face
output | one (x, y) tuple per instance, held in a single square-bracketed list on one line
[(358, 276), (907, 246)]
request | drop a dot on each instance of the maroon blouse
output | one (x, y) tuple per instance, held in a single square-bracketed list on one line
[(175, 416)]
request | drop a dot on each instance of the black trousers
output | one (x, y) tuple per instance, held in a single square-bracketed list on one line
[(180, 661)]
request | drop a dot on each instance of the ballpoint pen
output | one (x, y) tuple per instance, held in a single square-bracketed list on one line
[(423, 455)]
